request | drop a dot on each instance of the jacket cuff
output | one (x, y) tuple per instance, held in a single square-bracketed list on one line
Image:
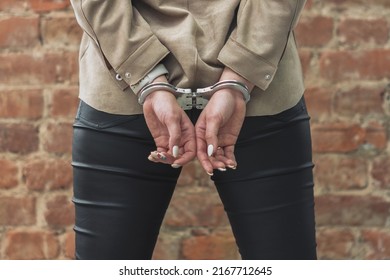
[(252, 67), (141, 62), (157, 71)]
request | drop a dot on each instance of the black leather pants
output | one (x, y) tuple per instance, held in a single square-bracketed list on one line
[(121, 197)]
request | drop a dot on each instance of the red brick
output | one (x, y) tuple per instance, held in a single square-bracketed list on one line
[(59, 211), (340, 173), (217, 246), (341, 66), (37, 245), (314, 31), (64, 103), (21, 104), (203, 179), (19, 32), (48, 5), (58, 138), (188, 175), (61, 31), (376, 135), (348, 137), (384, 3), (379, 244), (70, 245), (49, 174), (319, 102), (337, 137), (9, 174), (348, 210), (167, 247), (386, 99), (18, 138), (195, 209), (334, 244), (12, 5), (38, 68), (17, 211), (359, 100), (358, 31), (380, 172)]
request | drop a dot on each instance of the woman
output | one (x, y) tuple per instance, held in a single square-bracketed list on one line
[(175, 77)]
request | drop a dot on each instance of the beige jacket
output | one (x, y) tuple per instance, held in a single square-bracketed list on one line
[(124, 40)]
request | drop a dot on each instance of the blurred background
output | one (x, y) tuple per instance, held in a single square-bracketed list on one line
[(345, 52)]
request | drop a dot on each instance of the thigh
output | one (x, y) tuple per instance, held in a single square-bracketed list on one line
[(119, 195), (269, 198)]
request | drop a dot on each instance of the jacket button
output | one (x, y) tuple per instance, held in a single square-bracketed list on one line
[(128, 75), (118, 77), (268, 77)]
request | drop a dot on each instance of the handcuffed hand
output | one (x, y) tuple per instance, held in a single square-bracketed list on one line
[(172, 130), (217, 130), (212, 139)]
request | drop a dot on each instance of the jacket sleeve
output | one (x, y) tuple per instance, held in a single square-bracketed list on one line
[(256, 45), (127, 44)]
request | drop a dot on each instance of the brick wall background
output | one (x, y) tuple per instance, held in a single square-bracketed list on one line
[(345, 50)]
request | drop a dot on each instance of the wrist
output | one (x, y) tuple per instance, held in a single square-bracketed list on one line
[(159, 79), (158, 95), (157, 88), (229, 74), (230, 86), (232, 93)]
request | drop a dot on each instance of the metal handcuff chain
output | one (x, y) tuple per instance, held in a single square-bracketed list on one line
[(189, 99)]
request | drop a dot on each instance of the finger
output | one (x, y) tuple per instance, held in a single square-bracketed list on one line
[(184, 159), (218, 160), (221, 161), (158, 155), (203, 158), (162, 157), (174, 130), (218, 163), (230, 157), (152, 159), (227, 162), (211, 135), (187, 154), (201, 145)]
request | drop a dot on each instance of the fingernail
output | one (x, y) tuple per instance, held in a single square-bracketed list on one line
[(161, 156), (151, 158), (210, 173), (175, 165), (222, 169), (210, 150), (232, 166), (154, 156), (175, 151)]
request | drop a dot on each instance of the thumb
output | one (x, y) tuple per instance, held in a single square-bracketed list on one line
[(174, 131), (211, 136)]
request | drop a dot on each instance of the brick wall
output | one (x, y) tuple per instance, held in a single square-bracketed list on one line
[(345, 50)]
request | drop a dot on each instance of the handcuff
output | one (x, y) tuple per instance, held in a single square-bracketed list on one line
[(189, 99)]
